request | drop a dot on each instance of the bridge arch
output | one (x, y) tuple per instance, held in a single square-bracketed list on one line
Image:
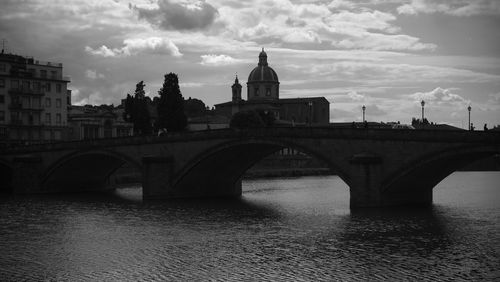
[(222, 166), (422, 175), (6, 174), (84, 170)]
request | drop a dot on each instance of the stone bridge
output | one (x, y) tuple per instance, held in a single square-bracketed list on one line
[(382, 167)]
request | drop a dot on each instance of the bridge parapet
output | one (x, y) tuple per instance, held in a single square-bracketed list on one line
[(381, 134)]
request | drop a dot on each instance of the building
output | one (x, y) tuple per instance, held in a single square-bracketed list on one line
[(92, 122), (34, 100), (263, 94)]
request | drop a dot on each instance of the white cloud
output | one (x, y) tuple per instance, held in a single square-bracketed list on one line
[(451, 7), (440, 95), (218, 60), (103, 51), (355, 96), (134, 46), (378, 41), (92, 74), (191, 84)]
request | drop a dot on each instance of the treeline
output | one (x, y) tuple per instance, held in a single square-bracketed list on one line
[(167, 112)]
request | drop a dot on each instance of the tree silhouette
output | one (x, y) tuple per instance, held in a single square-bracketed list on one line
[(136, 111), (248, 119), (194, 107), (171, 114)]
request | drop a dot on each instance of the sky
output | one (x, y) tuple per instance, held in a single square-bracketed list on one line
[(385, 54)]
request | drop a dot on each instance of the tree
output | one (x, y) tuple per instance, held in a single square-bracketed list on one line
[(246, 119), (194, 107), (136, 111), (267, 117), (171, 105)]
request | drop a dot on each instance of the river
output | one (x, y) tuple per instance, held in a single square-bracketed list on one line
[(296, 229)]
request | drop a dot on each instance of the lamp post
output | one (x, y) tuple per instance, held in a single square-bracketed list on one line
[(310, 112), (363, 108), (423, 104), (469, 108)]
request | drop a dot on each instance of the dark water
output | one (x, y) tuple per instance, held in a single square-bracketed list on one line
[(281, 230)]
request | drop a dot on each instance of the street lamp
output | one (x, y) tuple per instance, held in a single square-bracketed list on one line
[(363, 108), (469, 108), (310, 112), (423, 104)]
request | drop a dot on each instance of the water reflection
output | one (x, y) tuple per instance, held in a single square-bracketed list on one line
[(301, 229)]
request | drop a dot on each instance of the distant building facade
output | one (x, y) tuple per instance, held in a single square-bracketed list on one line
[(263, 94), (93, 122), (34, 100)]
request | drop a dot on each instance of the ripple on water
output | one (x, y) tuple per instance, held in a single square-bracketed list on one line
[(281, 230)]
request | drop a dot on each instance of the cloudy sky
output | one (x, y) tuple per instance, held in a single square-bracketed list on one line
[(385, 54)]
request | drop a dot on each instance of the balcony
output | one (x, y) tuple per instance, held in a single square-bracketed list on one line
[(20, 122), (26, 91), (20, 107)]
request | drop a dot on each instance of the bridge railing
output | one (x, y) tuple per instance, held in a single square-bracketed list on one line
[(273, 132)]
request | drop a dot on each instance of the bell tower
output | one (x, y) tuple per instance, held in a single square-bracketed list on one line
[(236, 87)]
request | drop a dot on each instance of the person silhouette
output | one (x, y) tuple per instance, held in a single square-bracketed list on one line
[(471, 126), (485, 127)]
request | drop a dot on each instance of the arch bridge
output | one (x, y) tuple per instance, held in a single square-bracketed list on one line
[(382, 167)]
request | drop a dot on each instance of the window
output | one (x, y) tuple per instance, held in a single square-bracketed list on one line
[(256, 91), (35, 102), (36, 86), (43, 73), (58, 118), (47, 119), (2, 68), (2, 116), (268, 91), (47, 87), (57, 135), (26, 85), (58, 103), (2, 83), (47, 102), (14, 84), (53, 74), (2, 99), (58, 88)]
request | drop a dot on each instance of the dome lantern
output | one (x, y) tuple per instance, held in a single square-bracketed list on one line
[(263, 58)]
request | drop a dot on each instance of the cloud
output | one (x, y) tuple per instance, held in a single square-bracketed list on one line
[(379, 41), (451, 7), (355, 96), (439, 95), (284, 21), (134, 46), (191, 84), (179, 16), (494, 99), (218, 60), (92, 74)]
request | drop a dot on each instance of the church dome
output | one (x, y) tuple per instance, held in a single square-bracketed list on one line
[(262, 72)]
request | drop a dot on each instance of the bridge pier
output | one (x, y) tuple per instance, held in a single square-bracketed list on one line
[(26, 175), (365, 185), (157, 183), (157, 177)]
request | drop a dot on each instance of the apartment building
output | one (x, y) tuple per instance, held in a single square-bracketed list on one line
[(34, 100)]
